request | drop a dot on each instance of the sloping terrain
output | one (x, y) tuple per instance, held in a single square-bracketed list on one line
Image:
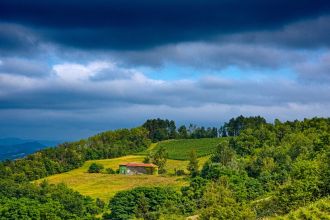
[(318, 210), (180, 149), (105, 186)]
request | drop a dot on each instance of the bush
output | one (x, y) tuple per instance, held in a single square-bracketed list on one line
[(95, 168), (110, 171), (100, 203), (180, 173), (146, 203)]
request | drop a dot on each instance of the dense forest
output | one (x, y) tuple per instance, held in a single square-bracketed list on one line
[(262, 169)]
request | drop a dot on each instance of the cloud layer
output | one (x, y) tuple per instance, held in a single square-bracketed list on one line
[(69, 69), (138, 25)]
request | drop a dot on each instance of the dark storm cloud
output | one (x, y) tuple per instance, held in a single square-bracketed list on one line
[(130, 25), (293, 43), (308, 34), (214, 56), (17, 40)]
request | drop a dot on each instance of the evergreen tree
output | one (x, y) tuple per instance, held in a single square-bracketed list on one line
[(182, 132), (193, 163)]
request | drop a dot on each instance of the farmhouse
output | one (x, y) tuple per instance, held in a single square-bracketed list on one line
[(138, 168)]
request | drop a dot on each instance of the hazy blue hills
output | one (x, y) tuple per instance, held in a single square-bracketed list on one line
[(13, 148)]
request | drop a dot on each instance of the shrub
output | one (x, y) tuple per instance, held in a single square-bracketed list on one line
[(95, 168), (110, 171), (180, 172)]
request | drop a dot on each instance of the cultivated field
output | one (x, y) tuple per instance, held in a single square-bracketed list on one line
[(104, 186), (180, 149)]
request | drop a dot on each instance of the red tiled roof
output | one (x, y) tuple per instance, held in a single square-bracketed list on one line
[(138, 164)]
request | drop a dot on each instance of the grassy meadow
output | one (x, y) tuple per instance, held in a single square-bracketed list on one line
[(180, 149), (105, 186)]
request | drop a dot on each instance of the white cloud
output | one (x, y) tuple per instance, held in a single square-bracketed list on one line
[(72, 72), (74, 84), (75, 97)]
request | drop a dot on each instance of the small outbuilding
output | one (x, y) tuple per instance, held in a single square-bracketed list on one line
[(138, 168)]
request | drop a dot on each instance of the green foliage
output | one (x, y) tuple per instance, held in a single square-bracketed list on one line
[(196, 132), (160, 129), (236, 125), (110, 171), (24, 208), (261, 170), (183, 132), (317, 210), (68, 156), (218, 202), (303, 187), (146, 203), (325, 172), (95, 168), (28, 201), (159, 157), (273, 168), (245, 143), (243, 187), (180, 172), (193, 164), (223, 154), (100, 203), (194, 192)]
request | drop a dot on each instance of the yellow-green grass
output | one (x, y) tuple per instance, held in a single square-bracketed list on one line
[(180, 149), (105, 186), (148, 150)]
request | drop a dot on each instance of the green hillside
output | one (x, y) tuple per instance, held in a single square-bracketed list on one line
[(105, 186), (180, 149), (264, 171)]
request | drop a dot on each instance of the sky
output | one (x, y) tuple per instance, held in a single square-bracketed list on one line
[(70, 69)]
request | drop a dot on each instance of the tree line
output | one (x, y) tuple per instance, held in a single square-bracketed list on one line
[(164, 129)]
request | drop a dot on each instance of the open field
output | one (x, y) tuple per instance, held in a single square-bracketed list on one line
[(105, 186), (180, 149)]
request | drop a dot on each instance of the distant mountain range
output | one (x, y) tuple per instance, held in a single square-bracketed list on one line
[(13, 148)]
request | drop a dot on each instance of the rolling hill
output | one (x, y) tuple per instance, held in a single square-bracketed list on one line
[(13, 148), (105, 186), (15, 151)]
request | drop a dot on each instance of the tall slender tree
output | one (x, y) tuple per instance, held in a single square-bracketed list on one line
[(193, 163)]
